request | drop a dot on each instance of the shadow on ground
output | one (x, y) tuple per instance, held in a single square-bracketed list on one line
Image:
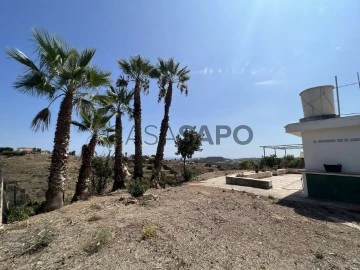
[(326, 210)]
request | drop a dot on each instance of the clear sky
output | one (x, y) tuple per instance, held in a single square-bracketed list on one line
[(249, 61)]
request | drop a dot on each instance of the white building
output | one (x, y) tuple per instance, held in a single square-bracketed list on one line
[(331, 140)]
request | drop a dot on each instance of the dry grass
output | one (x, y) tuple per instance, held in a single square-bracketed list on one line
[(94, 218), (30, 172), (196, 228)]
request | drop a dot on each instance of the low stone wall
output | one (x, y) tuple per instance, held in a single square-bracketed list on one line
[(293, 170), (249, 182), (259, 175), (279, 172)]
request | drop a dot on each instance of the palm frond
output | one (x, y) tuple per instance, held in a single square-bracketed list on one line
[(35, 84), (81, 127), (41, 120), (86, 56), (50, 46), (97, 77), (106, 141), (83, 103), (121, 82), (155, 73), (103, 100), (19, 56), (125, 67)]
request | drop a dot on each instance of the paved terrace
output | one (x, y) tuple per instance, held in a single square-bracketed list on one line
[(283, 186), (287, 187)]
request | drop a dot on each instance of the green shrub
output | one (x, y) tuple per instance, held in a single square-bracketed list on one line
[(8, 149), (187, 175), (296, 163), (246, 165), (21, 212), (13, 153), (101, 239), (102, 172), (137, 187), (44, 237), (149, 231), (171, 181), (270, 161)]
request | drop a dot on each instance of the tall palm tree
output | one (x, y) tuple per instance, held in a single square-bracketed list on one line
[(117, 102), (60, 72), (168, 74), (137, 69), (96, 122)]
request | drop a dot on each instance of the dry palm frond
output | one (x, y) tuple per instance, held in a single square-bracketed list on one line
[(41, 120)]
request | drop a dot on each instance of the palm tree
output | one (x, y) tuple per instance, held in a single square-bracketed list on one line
[(96, 122), (117, 102), (168, 74), (138, 71), (61, 72)]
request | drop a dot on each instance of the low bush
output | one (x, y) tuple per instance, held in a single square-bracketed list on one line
[(101, 239), (171, 181), (187, 175), (149, 231), (246, 165), (21, 212), (44, 237), (8, 149), (102, 172), (13, 153), (137, 187)]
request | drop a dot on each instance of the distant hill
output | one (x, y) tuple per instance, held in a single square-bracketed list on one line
[(211, 160)]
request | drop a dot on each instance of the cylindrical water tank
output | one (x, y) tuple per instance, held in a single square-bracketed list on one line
[(318, 101)]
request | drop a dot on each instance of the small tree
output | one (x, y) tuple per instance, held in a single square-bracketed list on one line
[(188, 144)]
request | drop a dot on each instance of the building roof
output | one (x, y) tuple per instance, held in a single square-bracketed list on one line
[(330, 123)]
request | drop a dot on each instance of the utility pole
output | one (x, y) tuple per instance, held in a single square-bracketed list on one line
[(337, 95)]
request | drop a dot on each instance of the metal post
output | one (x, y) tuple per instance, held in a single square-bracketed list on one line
[(1, 197), (285, 152), (358, 79), (337, 95), (264, 151)]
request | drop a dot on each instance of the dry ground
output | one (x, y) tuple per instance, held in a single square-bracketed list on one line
[(197, 228), (30, 172)]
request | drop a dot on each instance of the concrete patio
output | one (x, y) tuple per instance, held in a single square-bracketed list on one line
[(286, 187), (283, 186)]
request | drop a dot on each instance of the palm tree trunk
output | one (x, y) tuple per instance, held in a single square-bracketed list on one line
[(138, 165), (82, 185), (162, 137), (118, 166), (57, 177)]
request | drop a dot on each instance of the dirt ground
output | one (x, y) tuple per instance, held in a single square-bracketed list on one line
[(30, 172), (188, 227)]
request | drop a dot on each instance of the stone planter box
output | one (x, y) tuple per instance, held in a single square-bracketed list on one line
[(293, 170), (249, 182), (279, 172), (259, 175)]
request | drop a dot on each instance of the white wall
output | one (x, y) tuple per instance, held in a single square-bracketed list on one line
[(346, 152)]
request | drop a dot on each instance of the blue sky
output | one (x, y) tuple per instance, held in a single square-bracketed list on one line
[(249, 61)]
